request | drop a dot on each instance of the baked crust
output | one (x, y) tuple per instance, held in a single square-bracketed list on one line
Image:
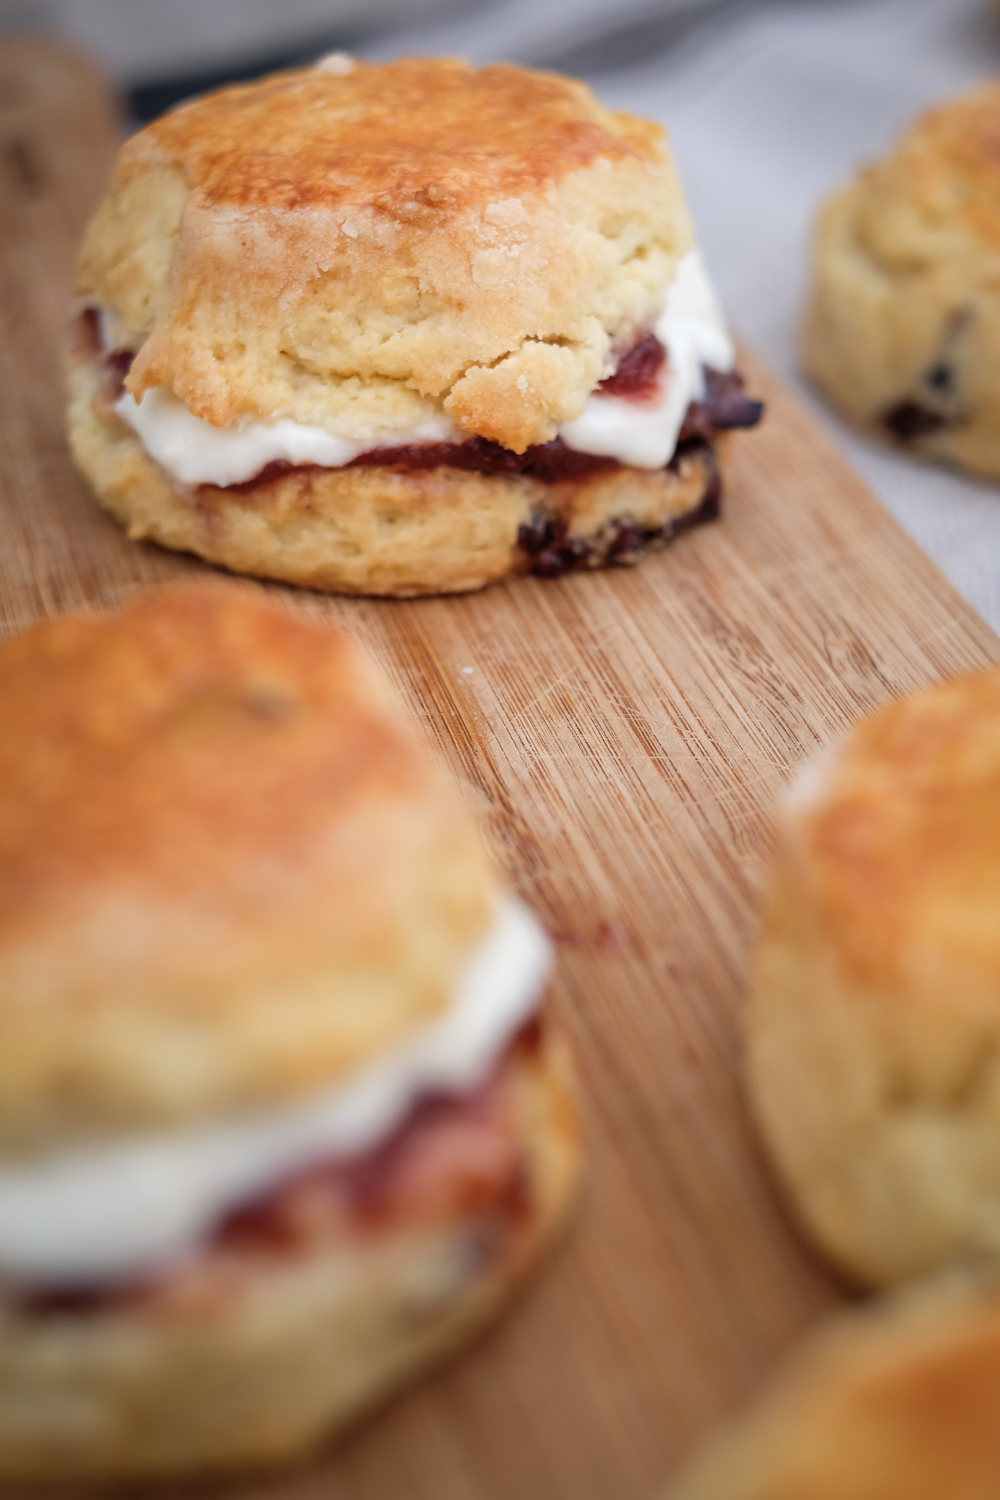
[(899, 1402), (350, 248), (288, 1349), (229, 868), (875, 1019), (902, 330), (388, 530)]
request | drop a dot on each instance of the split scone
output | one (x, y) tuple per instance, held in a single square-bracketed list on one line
[(903, 326), (898, 1402), (874, 1025), (280, 1118), (400, 330)]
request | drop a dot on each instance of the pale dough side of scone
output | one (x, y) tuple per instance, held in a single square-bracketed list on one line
[(372, 530), (873, 1033), (898, 1402), (231, 871), (902, 329), (287, 1355), (343, 250)]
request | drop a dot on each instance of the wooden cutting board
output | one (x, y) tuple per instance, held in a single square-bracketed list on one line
[(625, 734)]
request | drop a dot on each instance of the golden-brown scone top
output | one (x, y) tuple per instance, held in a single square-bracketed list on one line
[(904, 849), (356, 247), (358, 136), (903, 325), (900, 1402), (229, 869), (875, 1019)]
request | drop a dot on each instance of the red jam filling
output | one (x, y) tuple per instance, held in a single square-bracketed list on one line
[(636, 379), (455, 1158)]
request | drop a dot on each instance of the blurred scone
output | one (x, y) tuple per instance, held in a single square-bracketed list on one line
[(903, 325), (874, 1025), (899, 1402), (280, 1119), (400, 330)]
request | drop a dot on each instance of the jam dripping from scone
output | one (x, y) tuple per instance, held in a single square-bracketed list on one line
[(455, 1159)]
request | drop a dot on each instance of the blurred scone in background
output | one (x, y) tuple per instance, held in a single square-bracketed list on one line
[(872, 1032), (903, 323), (281, 1119), (897, 1401)]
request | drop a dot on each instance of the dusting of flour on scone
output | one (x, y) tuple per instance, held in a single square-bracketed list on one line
[(400, 330), (281, 1119)]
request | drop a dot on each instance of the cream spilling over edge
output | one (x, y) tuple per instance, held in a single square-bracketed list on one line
[(102, 1214), (639, 433), (644, 433)]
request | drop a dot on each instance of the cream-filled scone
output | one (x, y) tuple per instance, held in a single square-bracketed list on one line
[(281, 1120), (898, 1402), (873, 1031), (400, 330), (902, 328)]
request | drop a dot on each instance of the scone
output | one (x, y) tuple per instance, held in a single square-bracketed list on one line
[(874, 1026), (280, 1118), (902, 330), (400, 330), (899, 1402)]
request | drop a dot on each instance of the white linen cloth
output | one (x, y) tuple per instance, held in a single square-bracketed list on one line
[(769, 106), (140, 40)]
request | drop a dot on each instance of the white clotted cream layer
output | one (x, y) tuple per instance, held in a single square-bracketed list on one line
[(195, 452), (644, 433), (640, 433), (103, 1214)]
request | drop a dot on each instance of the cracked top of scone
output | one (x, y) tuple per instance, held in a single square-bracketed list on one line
[(357, 246), (230, 871)]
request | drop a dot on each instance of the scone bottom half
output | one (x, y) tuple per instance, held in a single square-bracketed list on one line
[(401, 330), (873, 1032), (282, 1118)]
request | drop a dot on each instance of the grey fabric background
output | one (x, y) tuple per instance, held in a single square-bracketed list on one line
[(769, 104)]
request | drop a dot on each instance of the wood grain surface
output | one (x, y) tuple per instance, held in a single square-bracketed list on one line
[(625, 735)]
